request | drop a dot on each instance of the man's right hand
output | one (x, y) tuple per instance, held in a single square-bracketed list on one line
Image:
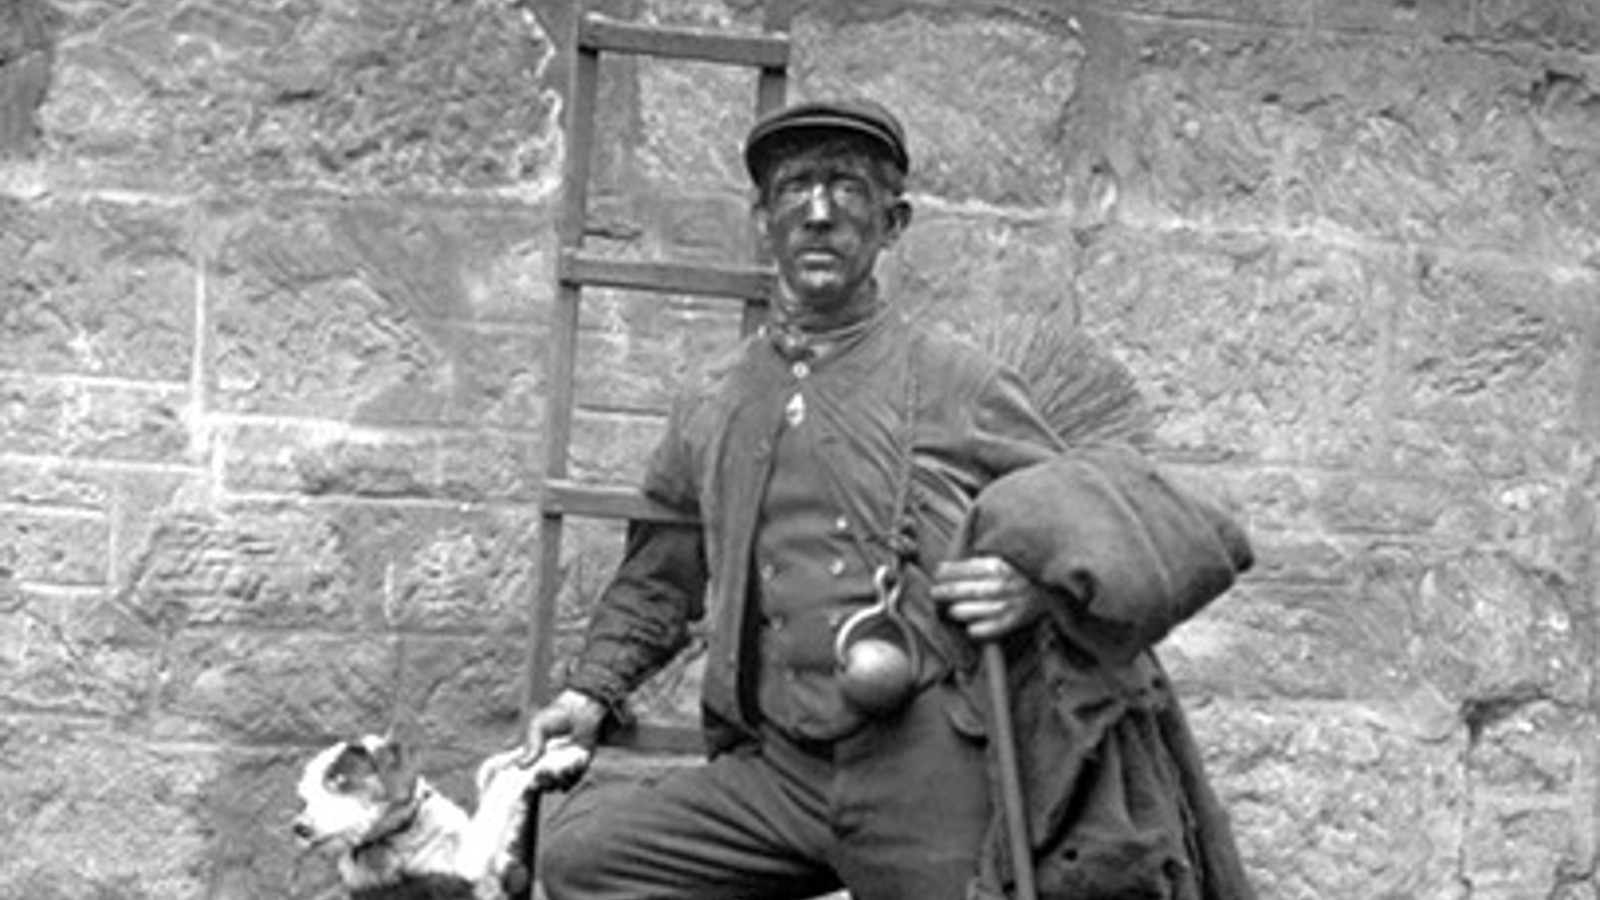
[(560, 741)]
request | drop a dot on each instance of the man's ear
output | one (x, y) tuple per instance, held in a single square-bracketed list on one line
[(898, 219)]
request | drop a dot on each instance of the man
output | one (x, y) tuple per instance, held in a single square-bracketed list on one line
[(834, 462)]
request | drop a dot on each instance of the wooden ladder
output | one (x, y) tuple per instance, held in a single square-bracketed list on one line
[(591, 36)]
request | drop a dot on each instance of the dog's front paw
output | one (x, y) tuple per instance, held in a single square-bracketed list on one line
[(561, 764), (558, 767)]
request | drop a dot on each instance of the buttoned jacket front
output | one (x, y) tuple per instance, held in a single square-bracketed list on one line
[(966, 419)]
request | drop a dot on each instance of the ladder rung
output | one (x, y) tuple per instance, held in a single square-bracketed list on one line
[(758, 51), (666, 278), (569, 498)]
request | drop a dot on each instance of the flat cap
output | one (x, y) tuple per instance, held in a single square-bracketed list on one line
[(859, 116)]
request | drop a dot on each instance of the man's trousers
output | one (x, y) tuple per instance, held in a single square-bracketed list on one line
[(896, 811)]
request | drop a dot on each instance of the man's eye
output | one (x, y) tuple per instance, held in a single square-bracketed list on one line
[(791, 191), (848, 190)]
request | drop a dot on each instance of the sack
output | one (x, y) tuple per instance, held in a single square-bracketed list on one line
[(1106, 807)]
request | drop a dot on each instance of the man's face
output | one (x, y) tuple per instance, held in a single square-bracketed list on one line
[(825, 216)]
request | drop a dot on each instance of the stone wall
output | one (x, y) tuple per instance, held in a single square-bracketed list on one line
[(275, 293)]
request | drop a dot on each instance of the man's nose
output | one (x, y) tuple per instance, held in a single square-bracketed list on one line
[(819, 204)]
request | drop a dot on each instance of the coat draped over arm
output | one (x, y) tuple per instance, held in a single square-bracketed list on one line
[(1118, 802)]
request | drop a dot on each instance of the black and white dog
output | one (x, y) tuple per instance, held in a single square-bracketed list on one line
[(398, 837)]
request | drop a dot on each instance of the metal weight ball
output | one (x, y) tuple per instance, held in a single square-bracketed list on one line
[(877, 673), (876, 677)]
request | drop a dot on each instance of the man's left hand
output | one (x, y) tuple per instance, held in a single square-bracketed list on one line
[(987, 595)]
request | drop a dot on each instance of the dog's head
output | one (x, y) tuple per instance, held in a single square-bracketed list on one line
[(352, 792)]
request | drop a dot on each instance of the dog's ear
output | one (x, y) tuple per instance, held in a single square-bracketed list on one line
[(392, 762), (349, 768)]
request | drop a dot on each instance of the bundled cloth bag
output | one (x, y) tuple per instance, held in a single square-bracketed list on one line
[(1118, 805)]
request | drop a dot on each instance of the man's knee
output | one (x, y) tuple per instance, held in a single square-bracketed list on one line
[(558, 864), (570, 846)]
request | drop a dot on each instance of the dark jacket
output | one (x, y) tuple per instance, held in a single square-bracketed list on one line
[(974, 421)]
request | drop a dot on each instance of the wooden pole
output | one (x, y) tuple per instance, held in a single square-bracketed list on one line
[(1012, 803)]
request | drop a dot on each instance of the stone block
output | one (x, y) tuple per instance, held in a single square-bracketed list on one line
[(90, 812), (1477, 625), (613, 448), (1311, 643), (1486, 355), (98, 288), (268, 688), (1572, 207), (304, 458), (1298, 558), (460, 568), (1472, 627), (618, 370), (1415, 143), (977, 275), (53, 547), (591, 550), (1194, 134), (1363, 504), (635, 350), (1334, 801), (460, 699), (115, 421), (1243, 348), (1532, 767), (25, 52), (380, 315), (126, 500), (1254, 13), (491, 466), (339, 567), (982, 97), (1560, 26), (54, 485), (1439, 19), (274, 565), (453, 699), (692, 121), (329, 459), (79, 654), (707, 227), (180, 95)]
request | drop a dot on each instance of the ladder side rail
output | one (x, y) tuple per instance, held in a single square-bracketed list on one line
[(582, 98), (772, 90)]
